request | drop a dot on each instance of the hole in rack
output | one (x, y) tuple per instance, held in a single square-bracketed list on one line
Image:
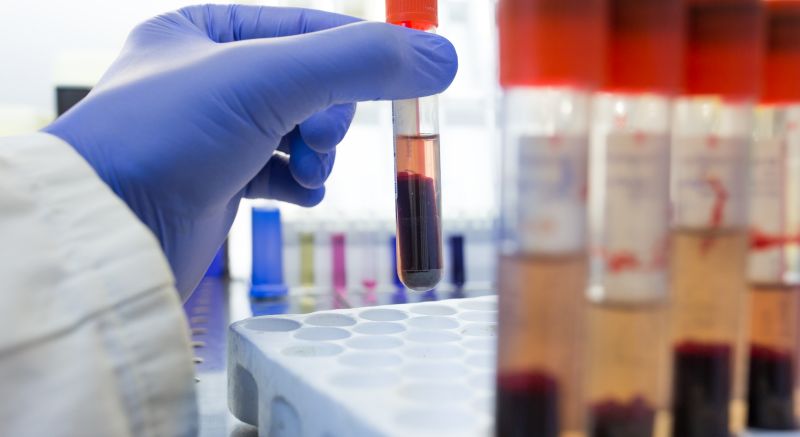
[(321, 334), (374, 342), (434, 352), (370, 359), (435, 392), (429, 336), (435, 370), (448, 420), (271, 324), (481, 361), (364, 379), (312, 350), (330, 320), (479, 305), (479, 316), (480, 330), (383, 315), (433, 322), (379, 328), (481, 343), (433, 310)]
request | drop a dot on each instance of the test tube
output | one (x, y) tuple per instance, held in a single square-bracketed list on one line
[(368, 254), (457, 275), (774, 260), (267, 278), (339, 270), (416, 152), (306, 259), (307, 302), (712, 136), (627, 331), (550, 60)]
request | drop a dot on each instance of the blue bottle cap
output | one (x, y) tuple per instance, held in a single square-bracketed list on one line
[(457, 275), (267, 280)]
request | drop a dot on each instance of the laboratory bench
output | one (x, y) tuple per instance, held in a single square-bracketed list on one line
[(216, 303)]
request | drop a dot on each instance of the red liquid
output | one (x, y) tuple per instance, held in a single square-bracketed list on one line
[(527, 405), (770, 398), (418, 232), (616, 419), (702, 390)]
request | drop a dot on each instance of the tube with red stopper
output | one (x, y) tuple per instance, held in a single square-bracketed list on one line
[(550, 62), (774, 260), (416, 150), (711, 143), (629, 171)]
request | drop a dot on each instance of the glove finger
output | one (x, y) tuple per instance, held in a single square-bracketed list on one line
[(226, 23), (309, 168), (325, 129), (356, 62), (275, 181)]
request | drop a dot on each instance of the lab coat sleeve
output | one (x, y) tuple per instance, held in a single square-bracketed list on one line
[(93, 340)]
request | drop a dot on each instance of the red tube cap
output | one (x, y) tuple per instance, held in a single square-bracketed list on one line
[(551, 42), (417, 14), (781, 79), (645, 46), (724, 48)]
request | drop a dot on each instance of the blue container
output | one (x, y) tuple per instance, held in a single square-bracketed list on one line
[(267, 279), (457, 275)]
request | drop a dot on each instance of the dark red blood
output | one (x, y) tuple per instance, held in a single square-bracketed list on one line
[(611, 418), (418, 231), (701, 390), (770, 389), (527, 405)]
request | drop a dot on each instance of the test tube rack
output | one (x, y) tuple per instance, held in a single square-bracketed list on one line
[(422, 369)]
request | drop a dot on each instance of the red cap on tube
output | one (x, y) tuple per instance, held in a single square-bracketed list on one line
[(551, 42), (724, 48), (645, 46), (781, 76), (417, 14)]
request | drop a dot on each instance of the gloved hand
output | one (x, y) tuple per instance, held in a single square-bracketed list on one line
[(185, 122)]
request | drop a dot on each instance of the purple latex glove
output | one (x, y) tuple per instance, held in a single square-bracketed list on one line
[(187, 120)]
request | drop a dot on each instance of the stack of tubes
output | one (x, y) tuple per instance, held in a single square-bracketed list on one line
[(649, 254)]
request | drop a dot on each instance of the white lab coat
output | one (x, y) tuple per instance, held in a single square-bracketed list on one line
[(93, 340)]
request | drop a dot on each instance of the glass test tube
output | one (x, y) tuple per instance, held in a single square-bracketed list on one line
[(712, 133), (416, 151), (457, 274), (267, 275), (339, 271), (307, 302), (549, 61), (627, 331), (774, 261), (369, 265), (306, 259)]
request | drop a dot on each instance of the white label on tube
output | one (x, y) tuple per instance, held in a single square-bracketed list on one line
[(552, 194), (710, 182), (635, 232), (775, 212)]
